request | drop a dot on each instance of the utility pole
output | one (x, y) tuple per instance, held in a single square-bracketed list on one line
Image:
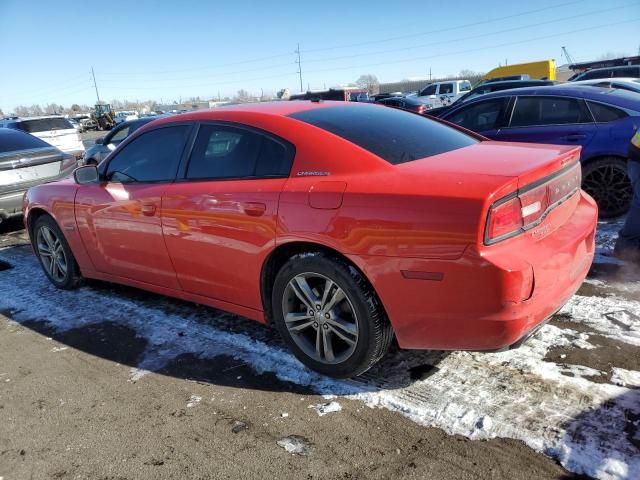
[(95, 84), (429, 73), (299, 66)]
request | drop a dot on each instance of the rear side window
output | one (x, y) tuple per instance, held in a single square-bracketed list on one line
[(537, 111), (446, 88), (11, 141), (222, 151), (481, 116), (44, 125), (152, 157), (626, 72), (394, 135), (605, 113)]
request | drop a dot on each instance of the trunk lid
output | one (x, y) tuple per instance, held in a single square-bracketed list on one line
[(27, 166)]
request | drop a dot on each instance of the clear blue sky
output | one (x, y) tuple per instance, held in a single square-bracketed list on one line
[(167, 50)]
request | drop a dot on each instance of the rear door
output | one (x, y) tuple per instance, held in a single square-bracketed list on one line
[(219, 219), (120, 219), (549, 119)]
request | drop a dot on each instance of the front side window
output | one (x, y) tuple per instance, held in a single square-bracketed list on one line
[(430, 90), (152, 157), (446, 88), (223, 151), (481, 116), (538, 111), (605, 113)]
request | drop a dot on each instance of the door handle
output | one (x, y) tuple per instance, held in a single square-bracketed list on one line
[(254, 209), (148, 209), (575, 136)]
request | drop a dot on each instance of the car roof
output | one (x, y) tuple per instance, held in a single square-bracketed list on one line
[(515, 83), (40, 117), (282, 108), (590, 92)]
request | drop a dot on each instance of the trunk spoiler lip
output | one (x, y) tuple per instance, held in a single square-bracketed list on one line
[(30, 158)]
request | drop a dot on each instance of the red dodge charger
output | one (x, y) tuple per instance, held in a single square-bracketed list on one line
[(344, 225)]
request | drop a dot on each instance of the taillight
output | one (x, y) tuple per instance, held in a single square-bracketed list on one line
[(530, 205), (505, 218)]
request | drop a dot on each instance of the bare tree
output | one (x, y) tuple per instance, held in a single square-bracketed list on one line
[(473, 77), (243, 96), (75, 107), (35, 110), (53, 108), (370, 82), (21, 111)]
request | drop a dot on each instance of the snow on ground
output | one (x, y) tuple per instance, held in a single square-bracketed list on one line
[(560, 410)]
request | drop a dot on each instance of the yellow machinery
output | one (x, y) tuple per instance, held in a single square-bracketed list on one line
[(542, 70)]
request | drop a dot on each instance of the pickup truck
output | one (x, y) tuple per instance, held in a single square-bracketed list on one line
[(441, 94)]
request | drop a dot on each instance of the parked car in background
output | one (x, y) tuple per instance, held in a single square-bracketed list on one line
[(601, 121), (55, 130), (443, 93), (26, 161), (380, 96), (632, 84), (627, 71), (343, 224), (89, 124), (488, 87), (125, 117), (412, 104), (75, 124), (105, 145)]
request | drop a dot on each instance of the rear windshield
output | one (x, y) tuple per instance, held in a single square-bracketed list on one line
[(394, 135), (11, 141), (44, 125)]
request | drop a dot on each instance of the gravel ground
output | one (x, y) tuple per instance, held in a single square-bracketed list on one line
[(110, 382)]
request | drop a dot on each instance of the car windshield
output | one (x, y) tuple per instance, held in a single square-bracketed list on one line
[(44, 125), (394, 135)]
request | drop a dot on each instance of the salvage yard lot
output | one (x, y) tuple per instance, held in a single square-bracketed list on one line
[(113, 382)]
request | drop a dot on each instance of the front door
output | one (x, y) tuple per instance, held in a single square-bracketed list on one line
[(120, 219), (220, 219)]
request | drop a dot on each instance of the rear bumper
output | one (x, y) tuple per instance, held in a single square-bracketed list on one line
[(11, 204), (491, 297)]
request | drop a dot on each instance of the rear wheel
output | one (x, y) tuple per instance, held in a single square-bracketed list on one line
[(329, 316), (607, 182), (55, 256)]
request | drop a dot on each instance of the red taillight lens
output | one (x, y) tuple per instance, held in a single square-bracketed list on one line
[(504, 219), (528, 208)]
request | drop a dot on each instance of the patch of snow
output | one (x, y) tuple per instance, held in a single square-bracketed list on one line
[(295, 444), (513, 394), (136, 374), (59, 349), (625, 378), (194, 400), (284, 414), (326, 408)]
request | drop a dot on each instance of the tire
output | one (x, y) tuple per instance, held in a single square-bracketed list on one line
[(352, 322), (49, 244), (606, 180)]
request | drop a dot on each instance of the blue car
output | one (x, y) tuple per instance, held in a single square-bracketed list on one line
[(601, 120)]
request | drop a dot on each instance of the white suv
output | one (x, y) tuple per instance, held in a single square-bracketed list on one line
[(54, 129), (441, 94)]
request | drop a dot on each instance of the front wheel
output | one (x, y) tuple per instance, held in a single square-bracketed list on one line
[(606, 180), (55, 256), (329, 316)]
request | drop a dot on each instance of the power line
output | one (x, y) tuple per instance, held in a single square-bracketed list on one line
[(379, 52), (430, 32)]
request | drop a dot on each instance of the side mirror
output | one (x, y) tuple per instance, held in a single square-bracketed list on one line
[(86, 174), (99, 141)]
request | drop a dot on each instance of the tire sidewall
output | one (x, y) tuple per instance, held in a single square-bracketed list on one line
[(597, 163), (71, 277), (341, 275)]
